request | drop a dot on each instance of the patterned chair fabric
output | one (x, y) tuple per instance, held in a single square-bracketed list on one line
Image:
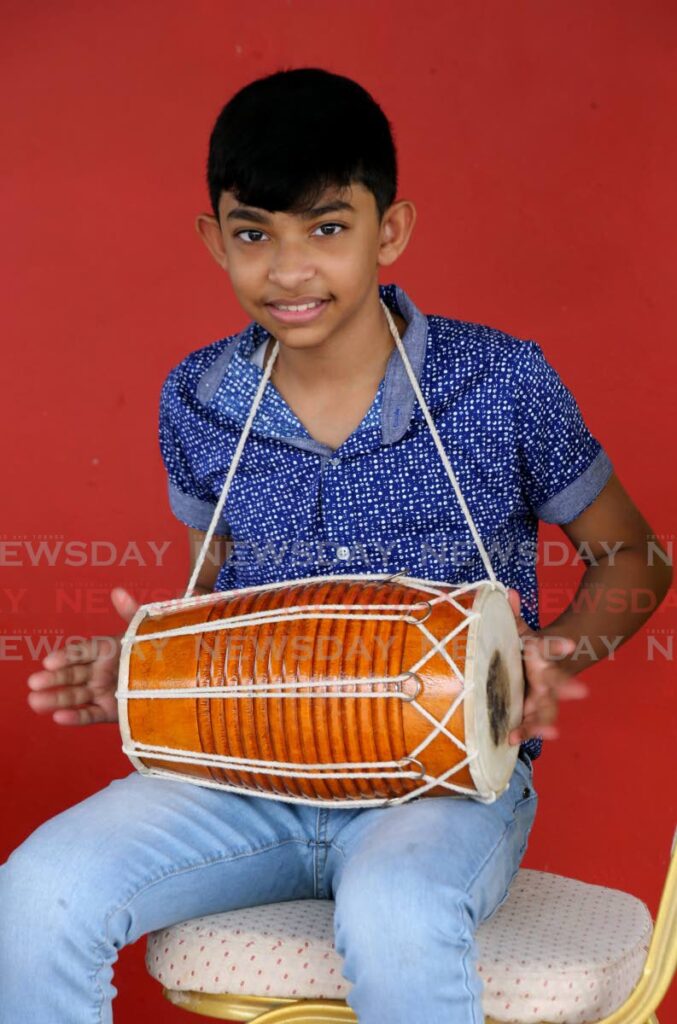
[(556, 949)]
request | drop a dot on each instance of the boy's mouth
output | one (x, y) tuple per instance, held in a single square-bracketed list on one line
[(297, 312)]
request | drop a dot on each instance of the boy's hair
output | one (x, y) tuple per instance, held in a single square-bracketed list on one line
[(283, 139)]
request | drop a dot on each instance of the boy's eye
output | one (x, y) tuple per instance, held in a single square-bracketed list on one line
[(253, 231), (330, 226), (248, 230)]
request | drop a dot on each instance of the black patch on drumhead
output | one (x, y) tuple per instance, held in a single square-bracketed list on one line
[(498, 699)]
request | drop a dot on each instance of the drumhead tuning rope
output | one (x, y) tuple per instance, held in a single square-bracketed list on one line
[(322, 687)]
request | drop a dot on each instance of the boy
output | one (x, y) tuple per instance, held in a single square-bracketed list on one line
[(339, 474)]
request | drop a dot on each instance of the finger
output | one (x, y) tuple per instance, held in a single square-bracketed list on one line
[(542, 688), (557, 647), (65, 697), (68, 676), (72, 654), (543, 713), (515, 602), (535, 725), (545, 651), (91, 714), (539, 710), (572, 690), (107, 650), (125, 605), (40, 680), (547, 732)]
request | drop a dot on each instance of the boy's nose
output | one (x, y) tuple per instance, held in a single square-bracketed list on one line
[(291, 269), (289, 279)]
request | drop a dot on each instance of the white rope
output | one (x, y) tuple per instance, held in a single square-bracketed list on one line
[(426, 412), (172, 604), (269, 615), (320, 801), (440, 447), (439, 725), (312, 771), (231, 472), (263, 690), (287, 768), (439, 646)]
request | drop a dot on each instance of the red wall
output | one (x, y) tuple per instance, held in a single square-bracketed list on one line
[(537, 141)]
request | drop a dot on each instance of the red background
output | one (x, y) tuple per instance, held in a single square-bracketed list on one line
[(537, 141)]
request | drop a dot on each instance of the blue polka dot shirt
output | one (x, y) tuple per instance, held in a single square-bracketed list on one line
[(382, 502)]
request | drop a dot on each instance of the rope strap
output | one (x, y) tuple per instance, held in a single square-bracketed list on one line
[(426, 412)]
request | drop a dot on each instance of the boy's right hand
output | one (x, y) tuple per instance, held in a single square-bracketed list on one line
[(78, 683)]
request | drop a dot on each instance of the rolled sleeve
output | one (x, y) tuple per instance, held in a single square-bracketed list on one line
[(189, 500), (563, 466), (193, 511), (572, 500)]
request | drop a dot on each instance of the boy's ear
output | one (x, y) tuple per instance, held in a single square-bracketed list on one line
[(396, 228), (209, 230)]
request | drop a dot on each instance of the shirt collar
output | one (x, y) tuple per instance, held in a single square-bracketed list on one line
[(398, 395), (230, 383)]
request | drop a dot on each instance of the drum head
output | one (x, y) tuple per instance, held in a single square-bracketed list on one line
[(494, 703)]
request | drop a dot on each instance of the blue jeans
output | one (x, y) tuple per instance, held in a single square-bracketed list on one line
[(411, 883)]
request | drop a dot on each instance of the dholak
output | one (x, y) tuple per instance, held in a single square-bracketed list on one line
[(333, 689)]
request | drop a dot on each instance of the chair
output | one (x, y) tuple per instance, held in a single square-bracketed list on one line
[(556, 950)]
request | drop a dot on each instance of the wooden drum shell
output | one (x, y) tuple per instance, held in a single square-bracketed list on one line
[(319, 730)]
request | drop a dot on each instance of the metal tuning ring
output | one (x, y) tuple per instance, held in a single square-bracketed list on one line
[(400, 572), (427, 615), (408, 698), (413, 760)]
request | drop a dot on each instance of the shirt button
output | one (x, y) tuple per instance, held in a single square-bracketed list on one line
[(334, 462), (343, 552)]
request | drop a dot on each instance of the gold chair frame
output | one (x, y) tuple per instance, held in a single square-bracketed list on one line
[(639, 1007)]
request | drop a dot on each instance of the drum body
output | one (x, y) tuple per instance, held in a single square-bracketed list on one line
[(334, 689)]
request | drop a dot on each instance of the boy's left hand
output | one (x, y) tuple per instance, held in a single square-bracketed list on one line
[(547, 681)]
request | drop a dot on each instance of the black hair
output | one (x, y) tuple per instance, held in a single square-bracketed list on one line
[(285, 138)]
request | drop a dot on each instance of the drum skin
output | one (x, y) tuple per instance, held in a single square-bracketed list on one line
[(300, 729)]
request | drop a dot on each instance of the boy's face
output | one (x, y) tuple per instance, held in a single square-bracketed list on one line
[(330, 255)]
